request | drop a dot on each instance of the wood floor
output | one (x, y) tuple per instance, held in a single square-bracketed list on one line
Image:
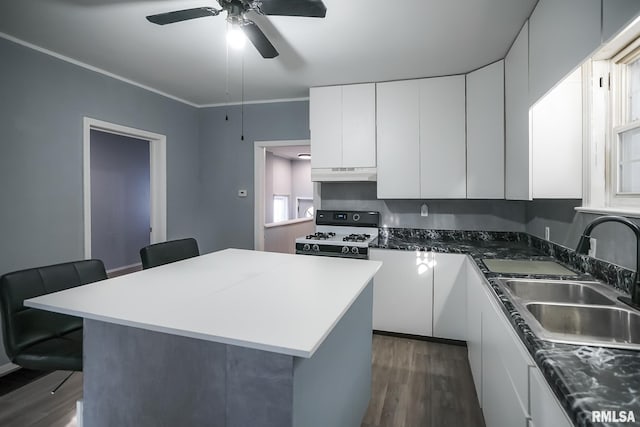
[(421, 384), (415, 384)]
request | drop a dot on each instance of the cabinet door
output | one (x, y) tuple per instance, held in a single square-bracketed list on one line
[(442, 138), (325, 122), (475, 297), (502, 405), (556, 138), (562, 34), (359, 126), (485, 132), (398, 142), (545, 408), (402, 292), (450, 296), (516, 98)]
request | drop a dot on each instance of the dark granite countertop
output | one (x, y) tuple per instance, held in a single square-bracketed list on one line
[(584, 378)]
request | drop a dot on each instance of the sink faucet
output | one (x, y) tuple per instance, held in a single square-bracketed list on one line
[(584, 246)]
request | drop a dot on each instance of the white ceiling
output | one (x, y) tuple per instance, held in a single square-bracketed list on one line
[(358, 41)]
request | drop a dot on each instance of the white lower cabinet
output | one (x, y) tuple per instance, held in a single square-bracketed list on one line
[(450, 296), (475, 298), (420, 293), (511, 389), (545, 408), (403, 292)]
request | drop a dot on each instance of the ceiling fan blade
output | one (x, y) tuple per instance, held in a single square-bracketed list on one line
[(259, 40), (182, 15), (310, 8)]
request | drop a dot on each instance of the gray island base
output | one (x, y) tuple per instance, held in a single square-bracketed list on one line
[(138, 377)]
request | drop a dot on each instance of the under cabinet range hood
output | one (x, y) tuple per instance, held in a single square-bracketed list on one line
[(343, 174)]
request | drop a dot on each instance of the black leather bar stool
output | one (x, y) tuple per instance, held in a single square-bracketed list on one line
[(168, 252), (39, 339)]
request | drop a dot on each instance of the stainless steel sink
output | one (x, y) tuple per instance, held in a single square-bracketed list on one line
[(557, 291), (584, 324), (574, 312)]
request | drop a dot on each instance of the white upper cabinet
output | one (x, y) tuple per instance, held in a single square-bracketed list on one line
[(325, 122), (616, 14), (421, 139), (398, 129), (359, 126), (485, 132), (442, 138), (556, 138), (343, 126), (516, 99), (562, 34)]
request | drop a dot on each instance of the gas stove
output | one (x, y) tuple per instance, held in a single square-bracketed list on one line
[(345, 234)]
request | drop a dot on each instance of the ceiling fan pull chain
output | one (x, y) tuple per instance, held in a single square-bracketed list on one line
[(242, 103), (226, 90)]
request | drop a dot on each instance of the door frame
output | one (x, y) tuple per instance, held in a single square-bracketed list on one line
[(259, 159), (157, 169)]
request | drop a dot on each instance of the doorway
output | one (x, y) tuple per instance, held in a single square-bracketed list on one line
[(124, 193), (284, 194)]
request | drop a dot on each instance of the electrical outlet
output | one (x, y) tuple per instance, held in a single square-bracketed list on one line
[(547, 233), (592, 247), (424, 210)]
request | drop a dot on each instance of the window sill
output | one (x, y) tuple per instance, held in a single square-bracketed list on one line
[(632, 212)]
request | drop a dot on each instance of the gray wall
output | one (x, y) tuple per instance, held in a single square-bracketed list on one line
[(443, 214), (227, 165), (615, 242), (42, 103), (120, 198)]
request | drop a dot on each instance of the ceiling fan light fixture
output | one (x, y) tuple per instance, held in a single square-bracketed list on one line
[(236, 37), (304, 156)]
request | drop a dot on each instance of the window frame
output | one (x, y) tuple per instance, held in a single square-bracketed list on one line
[(618, 124)]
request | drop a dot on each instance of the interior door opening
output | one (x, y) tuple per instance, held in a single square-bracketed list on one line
[(284, 199), (125, 193), (120, 199)]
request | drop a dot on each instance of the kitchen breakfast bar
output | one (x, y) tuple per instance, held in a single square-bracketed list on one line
[(234, 338)]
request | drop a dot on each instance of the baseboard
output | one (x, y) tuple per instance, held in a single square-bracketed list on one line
[(421, 338), (126, 267), (120, 271), (8, 368)]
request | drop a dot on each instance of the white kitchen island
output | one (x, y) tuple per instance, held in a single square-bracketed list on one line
[(234, 338)]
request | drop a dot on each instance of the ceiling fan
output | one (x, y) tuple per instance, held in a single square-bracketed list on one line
[(236, 16)]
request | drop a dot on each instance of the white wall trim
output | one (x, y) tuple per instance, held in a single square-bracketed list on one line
[(133, 82), (8, 368), (158, 175), (260, 101), (259, 158), (92, 68)]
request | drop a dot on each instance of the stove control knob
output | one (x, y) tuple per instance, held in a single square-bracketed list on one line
[(306, 247), (315, 248), (355, 250), (345, 250)]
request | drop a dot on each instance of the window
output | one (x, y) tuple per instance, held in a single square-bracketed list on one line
[(623, 184), (280, 208)]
